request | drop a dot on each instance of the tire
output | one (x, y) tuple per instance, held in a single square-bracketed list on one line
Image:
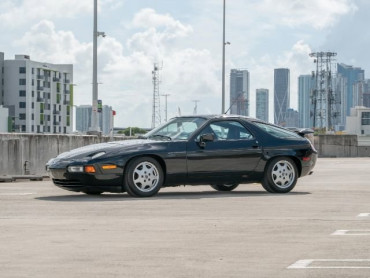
[(143, 177), (225, 187), (280, 175)]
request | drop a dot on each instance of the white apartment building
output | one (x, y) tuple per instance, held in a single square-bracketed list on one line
[(359, 121), (39, 96)]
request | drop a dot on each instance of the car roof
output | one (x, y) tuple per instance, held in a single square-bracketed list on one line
[(220, 116)]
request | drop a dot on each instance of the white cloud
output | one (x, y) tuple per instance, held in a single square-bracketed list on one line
[(30, 10), (125, 72), (17, 14), (317, 13)]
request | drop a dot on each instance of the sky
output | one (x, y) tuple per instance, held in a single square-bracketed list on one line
[(185, 39)]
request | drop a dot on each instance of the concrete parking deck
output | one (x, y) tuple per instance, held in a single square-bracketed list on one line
[(321, 229)]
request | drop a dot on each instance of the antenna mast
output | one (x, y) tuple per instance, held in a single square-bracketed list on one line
[(156, 113), (324, 103)]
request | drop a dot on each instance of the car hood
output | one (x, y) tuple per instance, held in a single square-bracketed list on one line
[(110, 147)]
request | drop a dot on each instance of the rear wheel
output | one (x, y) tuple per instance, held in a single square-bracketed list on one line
[(280, 175), (144, 177), (225, 187)]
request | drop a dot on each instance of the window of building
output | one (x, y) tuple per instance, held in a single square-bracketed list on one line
[(22, 70), (22, 105), (33, 129), (365, 118), (64, 130), (22, 93), (23, 128), (38, 129), (33, 82), (33, 117), (22, 81), (33, 105), (33, 93), (22, 116)]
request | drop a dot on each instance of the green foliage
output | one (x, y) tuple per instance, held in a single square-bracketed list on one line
[(134, 131)]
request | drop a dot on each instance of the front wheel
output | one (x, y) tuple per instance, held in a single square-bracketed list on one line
[(280, 175), (143, 177), (225, 187)]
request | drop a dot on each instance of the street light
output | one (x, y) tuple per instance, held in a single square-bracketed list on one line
[(94, 114), (223, 61), (165, 111)]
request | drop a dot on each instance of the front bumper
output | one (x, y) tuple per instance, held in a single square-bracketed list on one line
[(83, 182)]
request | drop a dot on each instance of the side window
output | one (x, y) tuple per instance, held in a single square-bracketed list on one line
[(227, 130)]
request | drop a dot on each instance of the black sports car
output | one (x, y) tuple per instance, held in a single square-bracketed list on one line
[(222, 151)]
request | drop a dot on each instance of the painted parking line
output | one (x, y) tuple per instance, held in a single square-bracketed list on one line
[(15, 194), (351, 233), (364, 215), (331, 263)]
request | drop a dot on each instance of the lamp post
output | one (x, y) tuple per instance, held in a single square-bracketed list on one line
[(165, 107), (223, 61), (94, 114)]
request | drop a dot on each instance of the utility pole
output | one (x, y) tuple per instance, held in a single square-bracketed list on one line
[(195, 111), (223, 61), (165, 106), (94, 114)]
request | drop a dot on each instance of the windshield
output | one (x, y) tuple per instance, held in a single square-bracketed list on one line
[(176, 129)]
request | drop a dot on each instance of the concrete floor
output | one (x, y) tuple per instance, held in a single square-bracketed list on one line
[(192, 231)]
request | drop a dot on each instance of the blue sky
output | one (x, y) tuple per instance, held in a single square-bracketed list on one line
[(186, 36)]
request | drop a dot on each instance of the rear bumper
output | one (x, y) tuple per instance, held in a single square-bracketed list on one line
[(307, 166)]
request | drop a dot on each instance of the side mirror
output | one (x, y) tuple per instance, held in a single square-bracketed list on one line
[(208, 137)]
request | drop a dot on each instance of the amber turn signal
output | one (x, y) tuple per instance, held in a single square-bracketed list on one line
[(109, 167), (90, 169)]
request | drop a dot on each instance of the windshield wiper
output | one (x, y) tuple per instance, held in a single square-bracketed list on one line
[(160, 136)]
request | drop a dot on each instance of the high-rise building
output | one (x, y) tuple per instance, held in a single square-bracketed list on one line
[(350, 75), (4, 119), (361, 93), (306, 83), (39, 95), (83, 119), (291, 118), (262, 104), (1, 78), (281, 95), (239, 92)]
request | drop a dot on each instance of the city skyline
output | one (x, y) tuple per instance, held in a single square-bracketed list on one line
[(186, 36)]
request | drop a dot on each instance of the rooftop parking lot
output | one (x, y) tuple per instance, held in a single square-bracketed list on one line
[(320, 229)]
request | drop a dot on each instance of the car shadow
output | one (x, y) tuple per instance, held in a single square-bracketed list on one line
[(167, 195)]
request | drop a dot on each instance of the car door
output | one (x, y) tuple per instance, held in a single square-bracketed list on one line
[(232, 155)]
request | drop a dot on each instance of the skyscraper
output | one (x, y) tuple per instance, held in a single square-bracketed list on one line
[(350, 75), (239, 92), (281, 95), (83, 119), (361, 93), (262, 104), (306, 83)]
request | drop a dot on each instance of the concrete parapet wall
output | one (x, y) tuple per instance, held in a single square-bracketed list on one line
[(37, 149), (342, 145)]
